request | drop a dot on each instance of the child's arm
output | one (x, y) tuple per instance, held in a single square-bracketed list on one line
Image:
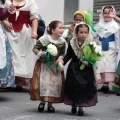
[(68, 55), (34, 18), (34, 28), (114, 16), (94, 34), (3, 14), (38, 48)]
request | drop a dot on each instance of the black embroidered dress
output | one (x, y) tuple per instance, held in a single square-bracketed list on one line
[(80, 86)]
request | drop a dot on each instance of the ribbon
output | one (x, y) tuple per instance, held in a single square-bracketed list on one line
[(47, 58), (83, 66)]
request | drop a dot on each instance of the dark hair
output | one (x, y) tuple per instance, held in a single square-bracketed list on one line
[(107, 7), (3, 1), (52, 26), (78, 14), (81, 26)]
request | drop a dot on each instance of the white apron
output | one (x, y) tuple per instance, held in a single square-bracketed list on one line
[(2, 49)]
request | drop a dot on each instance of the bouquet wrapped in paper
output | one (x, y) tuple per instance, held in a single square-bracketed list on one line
[(92, 52)]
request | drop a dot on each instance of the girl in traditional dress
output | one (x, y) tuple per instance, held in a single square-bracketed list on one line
[(47, 81), (6, 68), (80, 87), (24, 21), (78, 17), (107, 31), (116, 84)]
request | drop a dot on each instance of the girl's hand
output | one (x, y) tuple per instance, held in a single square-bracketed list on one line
[(7, 25), (11, 8), (85, 63), (34, 35), (111, 14), (59, 60), (42, 53)]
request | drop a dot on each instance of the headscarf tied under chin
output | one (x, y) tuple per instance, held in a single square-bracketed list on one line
[(74, 42), (89, 37)]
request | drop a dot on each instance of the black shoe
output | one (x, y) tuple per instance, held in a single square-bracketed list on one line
[(80, 113), (18, 88), (41, 107), (73, 109), (51, 109), (118, 94), (105, 89)]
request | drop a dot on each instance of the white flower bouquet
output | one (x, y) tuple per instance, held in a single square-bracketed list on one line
[(52, 51), (92, 52)]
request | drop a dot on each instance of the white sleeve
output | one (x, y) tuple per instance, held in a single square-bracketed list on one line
[(33, 10), (117, 40), (95, 35), (7, 3)]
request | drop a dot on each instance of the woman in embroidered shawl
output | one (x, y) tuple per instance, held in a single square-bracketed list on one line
[(47, 81), (24, 21), (107, 31), (80, 87), (6, 68)]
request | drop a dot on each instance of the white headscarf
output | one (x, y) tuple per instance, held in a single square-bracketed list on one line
[(105, 29), (101, 18), (89, 37), (74, 41)]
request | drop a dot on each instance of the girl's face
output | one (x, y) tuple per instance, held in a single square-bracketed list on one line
[(78, 19), (106, 15), (58, 31), (82, 33)]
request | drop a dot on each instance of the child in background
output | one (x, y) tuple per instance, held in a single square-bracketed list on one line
[(78, 17), (116, 84), (107, 31), (47, 81), (80, 88)]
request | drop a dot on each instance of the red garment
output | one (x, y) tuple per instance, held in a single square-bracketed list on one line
[(23, 18), (4, 13)]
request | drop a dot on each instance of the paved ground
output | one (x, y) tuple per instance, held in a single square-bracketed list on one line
[(17, 106)]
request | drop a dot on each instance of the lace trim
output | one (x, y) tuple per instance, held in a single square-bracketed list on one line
[(46, 39), (50, 81), (77, 50)]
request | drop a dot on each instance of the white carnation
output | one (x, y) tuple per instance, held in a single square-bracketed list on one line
[(100, 52), (94, 44), (91, 43), (60, 66), (97, 49), (52, 49)]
